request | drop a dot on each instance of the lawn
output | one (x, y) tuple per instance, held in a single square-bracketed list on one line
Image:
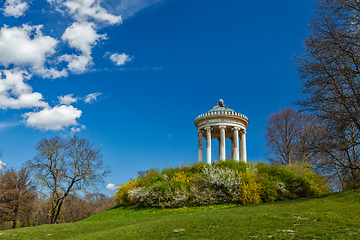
[(333, 216)]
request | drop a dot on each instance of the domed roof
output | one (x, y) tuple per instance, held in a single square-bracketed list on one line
[(221, 109)]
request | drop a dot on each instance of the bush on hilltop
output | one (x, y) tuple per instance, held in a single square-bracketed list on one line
[(223, 181)]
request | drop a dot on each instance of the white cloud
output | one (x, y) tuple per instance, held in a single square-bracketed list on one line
[(120, 59), (56, 118), (2, 164), (6, 125), (67, 99), (15, 93), (15, 8), (82, 36), (76, 63), (129, 8), (25, 45), (90, 98), (77, 129), (84, 9), (49, 73), (111, 186)]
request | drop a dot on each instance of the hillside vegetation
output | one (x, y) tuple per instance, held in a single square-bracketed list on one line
[(222, 182), (333, 216)]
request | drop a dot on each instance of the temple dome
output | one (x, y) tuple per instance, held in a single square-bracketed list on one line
[(221, 109)]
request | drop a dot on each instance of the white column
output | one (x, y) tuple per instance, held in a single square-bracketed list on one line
[(243, 145), (235, 141), (200, 146), (222, 143), (208, 145), (232, 148)]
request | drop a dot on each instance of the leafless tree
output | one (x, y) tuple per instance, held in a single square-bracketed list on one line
[(290, 136), (17, 194), (331, 72), (64, 167)]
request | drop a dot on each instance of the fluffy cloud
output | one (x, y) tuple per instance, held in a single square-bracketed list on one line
[(82, 36), (77, 64), (111, 186), (67, 99), (15, 93), (55, 118), (84, 9), (25, 45), (2, 164), (15, 8), (120, 59), (90, 98)]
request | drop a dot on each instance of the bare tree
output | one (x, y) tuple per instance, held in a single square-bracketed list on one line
[(331, 70), (17, 194), (64, 167), (290, 136)]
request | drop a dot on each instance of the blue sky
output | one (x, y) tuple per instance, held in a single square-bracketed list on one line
[(131, 76)]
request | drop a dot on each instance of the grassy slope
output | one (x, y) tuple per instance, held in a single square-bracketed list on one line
[(336, 216)]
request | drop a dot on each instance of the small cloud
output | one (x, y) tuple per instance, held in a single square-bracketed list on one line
[(170, 135), (90, 98), (15, 8), (67, 99), (77, 129), (81, 10), (111, 186), (56, 118), (120, 59), (82, 36), (7, 125), (2, 164), (15, 93), (77, 63)]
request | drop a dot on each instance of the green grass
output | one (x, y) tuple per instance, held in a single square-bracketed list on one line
[(335, 216)]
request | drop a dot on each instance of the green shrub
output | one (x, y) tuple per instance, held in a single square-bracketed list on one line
[(223, 181), (146, 178), (201, 193), (231, 164), (308, 183), (269, 192)]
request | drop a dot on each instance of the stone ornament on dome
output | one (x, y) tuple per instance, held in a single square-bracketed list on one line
[(220, 104)]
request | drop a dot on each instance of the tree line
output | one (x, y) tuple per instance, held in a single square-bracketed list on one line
[(326, 130), (64, 175)]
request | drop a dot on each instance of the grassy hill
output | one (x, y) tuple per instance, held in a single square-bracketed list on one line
[(334, 216)]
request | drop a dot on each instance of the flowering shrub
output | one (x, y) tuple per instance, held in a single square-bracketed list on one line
[(181, 177), (227, 179), (223, 181), (122, 196), (250, 189)]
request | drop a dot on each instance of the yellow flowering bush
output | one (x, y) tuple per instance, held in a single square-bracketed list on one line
[(122, 196), (250, 189), (181, 177)]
